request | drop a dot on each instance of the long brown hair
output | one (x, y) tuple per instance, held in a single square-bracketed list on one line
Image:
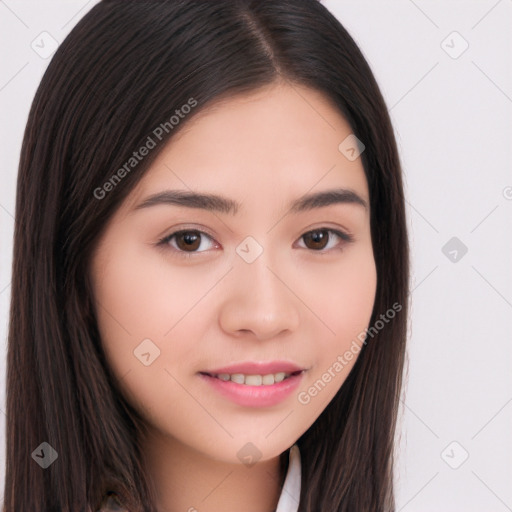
[(123, 71)]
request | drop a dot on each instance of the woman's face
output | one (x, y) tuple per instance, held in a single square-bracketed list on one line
[(263, 283)]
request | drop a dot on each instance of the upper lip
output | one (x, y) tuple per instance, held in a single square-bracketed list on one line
[(257, 368)]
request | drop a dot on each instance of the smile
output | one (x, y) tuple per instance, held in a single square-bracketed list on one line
[(253, 390), (254, 380)]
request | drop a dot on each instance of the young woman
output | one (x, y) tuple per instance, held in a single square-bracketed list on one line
[(210, 278)]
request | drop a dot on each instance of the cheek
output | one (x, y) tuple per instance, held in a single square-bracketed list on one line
[(135, 307), (344, 308), (125, 304), (356, 296), (345, 301), (141, 296), (137, 294)]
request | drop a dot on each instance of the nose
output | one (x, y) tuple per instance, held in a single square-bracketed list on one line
[(259, 300)]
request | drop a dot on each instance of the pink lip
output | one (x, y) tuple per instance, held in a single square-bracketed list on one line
[(254, 396), (257, 368)]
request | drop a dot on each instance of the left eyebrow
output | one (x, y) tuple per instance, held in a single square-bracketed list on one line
[(221, 204)]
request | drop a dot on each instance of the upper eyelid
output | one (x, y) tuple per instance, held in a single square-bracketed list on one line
[(204, 230)]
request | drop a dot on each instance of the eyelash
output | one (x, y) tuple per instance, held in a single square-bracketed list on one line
[(345, 237)]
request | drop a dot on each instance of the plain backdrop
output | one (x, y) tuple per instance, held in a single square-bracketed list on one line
[(444, 68)]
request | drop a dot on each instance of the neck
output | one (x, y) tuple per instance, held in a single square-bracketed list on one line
[(185, 479)]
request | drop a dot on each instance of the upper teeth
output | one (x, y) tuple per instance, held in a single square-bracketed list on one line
[(253, 380)]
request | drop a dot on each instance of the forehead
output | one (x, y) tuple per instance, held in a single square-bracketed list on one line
[(281, 140)]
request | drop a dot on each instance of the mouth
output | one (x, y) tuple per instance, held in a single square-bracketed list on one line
[(275, 384), (268, 379)]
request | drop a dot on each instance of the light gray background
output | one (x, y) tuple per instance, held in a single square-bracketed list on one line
[(453, 121)]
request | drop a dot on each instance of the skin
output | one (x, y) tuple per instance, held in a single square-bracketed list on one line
[(294, 302)]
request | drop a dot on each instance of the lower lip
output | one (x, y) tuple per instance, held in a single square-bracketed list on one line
[(255, 396)]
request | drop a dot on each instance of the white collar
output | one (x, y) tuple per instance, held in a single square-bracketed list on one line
[(290, 495)]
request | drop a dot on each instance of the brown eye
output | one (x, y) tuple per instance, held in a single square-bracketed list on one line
[(186, 242), (318, 239)]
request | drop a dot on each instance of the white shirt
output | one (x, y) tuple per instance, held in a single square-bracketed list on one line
[(290, 495)]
